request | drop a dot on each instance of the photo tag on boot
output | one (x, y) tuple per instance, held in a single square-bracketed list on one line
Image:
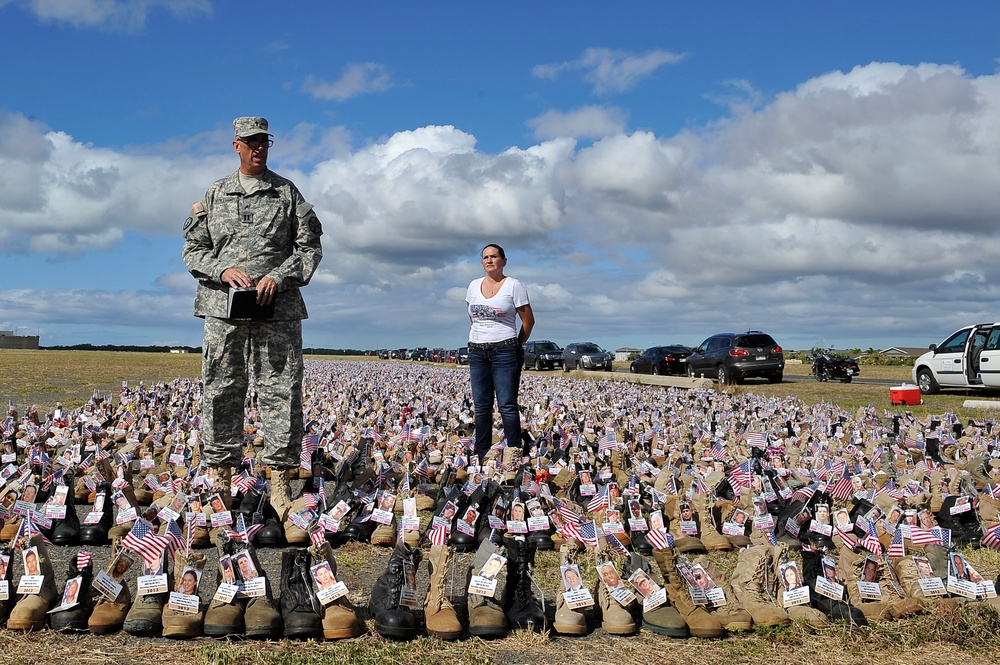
[(4, 590), (763, 522), (517, 526), (225, 518), (107, 586), (792, 527), (869, 591), (40, 520), (733, 529), (196, 518), (71, 595), (29, 584), (22, 508), (654, 600), (820, 528), (932, 586), (55, 512), (963, 588), (482, 586), (408, 595), (578, 599), (226, 593), (796, 596), (689, 528), (539, 523), (331, 593), (150, 584), (622, 595), (254, 588), (93, 517), (126, 515), (829, 588), (380, 516), (962, 505), (716, 597), (183, 603), (987, 589), (167, 513)]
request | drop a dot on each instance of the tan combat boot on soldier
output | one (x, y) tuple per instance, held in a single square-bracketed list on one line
[(752, 587), (568, 621), (340, 617)]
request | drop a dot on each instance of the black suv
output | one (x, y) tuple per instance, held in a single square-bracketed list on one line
[(732, 357), (542, 354), (586, 355)]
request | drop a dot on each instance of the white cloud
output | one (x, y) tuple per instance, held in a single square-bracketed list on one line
[(586, 122), (356, 79), (609, 70), (115, 15), (866, 197)]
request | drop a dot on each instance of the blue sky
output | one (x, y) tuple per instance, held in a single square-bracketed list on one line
[(657, 172)]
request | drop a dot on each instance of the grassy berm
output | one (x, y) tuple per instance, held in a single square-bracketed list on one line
[(939, 636)]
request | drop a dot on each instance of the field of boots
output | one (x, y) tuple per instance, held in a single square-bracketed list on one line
[(626, 514)]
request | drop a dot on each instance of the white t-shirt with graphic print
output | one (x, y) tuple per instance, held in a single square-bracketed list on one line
[(495, 319)]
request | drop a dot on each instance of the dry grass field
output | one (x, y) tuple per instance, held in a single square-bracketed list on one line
[(941, 636)]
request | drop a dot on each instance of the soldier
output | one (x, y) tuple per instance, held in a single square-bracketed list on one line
[(252, 230)]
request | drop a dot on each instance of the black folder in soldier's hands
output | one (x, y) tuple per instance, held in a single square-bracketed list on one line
[(243, 304)]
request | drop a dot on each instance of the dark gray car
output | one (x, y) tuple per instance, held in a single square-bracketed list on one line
[(542, 354), (732, 357), (586, 355)]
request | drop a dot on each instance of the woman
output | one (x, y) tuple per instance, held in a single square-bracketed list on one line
[(495, 347)]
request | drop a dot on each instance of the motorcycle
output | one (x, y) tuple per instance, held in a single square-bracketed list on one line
[(827, 367)]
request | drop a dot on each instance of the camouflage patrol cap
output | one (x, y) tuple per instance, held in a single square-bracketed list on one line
[(250, 126)]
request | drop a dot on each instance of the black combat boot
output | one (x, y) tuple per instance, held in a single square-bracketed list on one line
[(300, 610), (520, 604), (392, 619)]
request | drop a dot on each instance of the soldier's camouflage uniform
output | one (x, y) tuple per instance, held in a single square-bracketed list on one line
[(272, 233)]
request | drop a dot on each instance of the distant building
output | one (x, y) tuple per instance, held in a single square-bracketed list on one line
[(904, 351), (8, 340), (625, 353)]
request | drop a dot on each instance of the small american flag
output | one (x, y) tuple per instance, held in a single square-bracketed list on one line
[(870, 541), (740, 477), (718, 451), (657, 538), (842, 488), (83, 559), (615, 543), (405, 487), (567, 513), (924, 536), (8, 427), (850, 542), (310, 500), (756, 439), (310, 442), (608, 442), (771, 538), (992, 538), (896, 549), (438, 535), (145, 542), (944, 535), (175, 538), (805, 493), (422, 471), (588, 533), (600, 500), (318, 536)]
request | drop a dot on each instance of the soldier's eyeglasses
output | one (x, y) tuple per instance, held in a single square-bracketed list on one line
[(253, 144)]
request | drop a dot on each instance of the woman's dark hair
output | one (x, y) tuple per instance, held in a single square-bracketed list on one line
[(499, 251)]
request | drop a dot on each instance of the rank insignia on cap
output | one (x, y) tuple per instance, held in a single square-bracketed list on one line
[(198, 208)]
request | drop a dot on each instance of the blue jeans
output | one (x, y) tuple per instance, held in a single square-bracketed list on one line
[(496, 372)]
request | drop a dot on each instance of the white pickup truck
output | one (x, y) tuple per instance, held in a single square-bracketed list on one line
[(968, 358)]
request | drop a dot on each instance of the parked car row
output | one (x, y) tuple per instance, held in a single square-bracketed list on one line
[(460, 356)]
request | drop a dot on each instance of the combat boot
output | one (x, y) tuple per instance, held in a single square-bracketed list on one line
[(300, 610), (145, 617), (683, 542), (700, 622), (8, 603), (295, 536), (384, 535), (522, 607), (835, 610), (662, 620), (568, 621), (731, 615), (752, 584), (109, 615), (392, 619), (66, 531), (223, 619), (30, 611), (75, 618), (439, 614), (711, 538), (261, 618), (486, 617), (340, 618), (184, 625), (97, 532), (223, 484)]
